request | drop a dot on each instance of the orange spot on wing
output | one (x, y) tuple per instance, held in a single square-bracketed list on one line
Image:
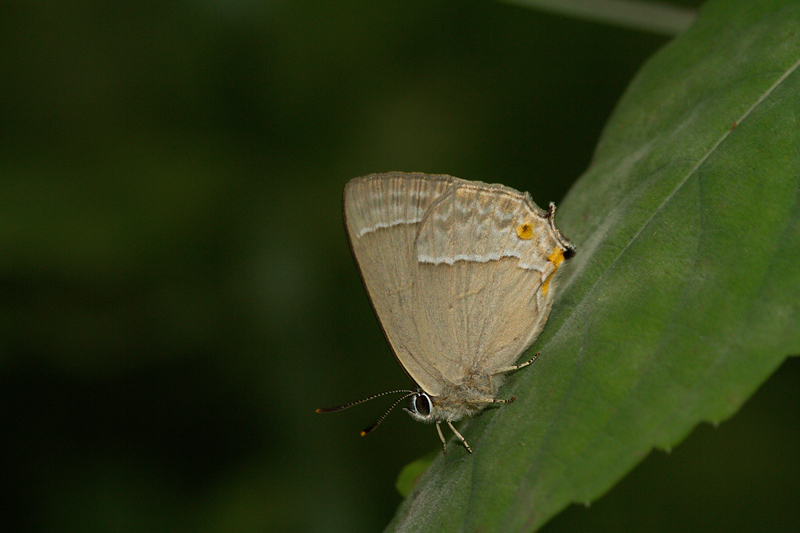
[(546, 284), (556, 257), (525, 231)]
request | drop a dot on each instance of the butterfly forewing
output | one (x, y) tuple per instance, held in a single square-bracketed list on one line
[(382, 215)]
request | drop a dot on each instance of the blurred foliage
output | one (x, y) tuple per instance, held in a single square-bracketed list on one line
[(176, 291)]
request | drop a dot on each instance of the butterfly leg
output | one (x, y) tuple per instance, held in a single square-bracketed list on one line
[(463, 440), (505, 370), (441, 437), (513, 368), (503, 400)]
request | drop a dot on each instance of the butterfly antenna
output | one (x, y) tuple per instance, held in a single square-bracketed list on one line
[(389, 410), (351, 404)]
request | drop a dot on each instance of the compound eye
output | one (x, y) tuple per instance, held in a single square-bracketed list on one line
[(422, 404)]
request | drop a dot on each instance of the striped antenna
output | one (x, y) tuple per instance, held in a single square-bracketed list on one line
[(408, 394), (351, 404)]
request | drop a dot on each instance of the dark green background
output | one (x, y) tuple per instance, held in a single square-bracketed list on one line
[(176, 290)]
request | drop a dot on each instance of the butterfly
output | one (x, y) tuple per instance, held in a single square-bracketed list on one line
[(461, 275)]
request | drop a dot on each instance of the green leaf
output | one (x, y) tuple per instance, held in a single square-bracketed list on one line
[(411, 473), (685, 292)]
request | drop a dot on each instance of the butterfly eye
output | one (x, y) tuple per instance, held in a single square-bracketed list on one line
[(422, 404)]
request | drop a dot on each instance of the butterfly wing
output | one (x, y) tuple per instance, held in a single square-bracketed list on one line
[(382, 215), (486, 256), (458, 272)]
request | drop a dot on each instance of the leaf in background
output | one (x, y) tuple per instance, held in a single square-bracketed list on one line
[(685, 292), (411, 473)]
